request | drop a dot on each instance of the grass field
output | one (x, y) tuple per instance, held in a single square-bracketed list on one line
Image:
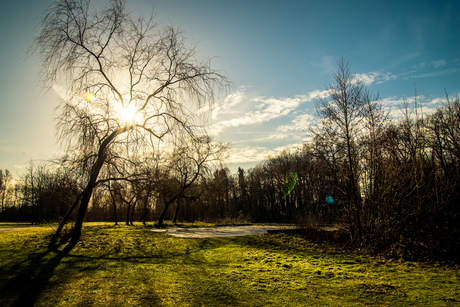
[(132, 266)]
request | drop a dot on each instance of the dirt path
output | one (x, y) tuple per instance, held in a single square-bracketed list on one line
[(216, 232), (207, 232)]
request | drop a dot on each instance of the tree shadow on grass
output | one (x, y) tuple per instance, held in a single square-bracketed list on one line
[(200, 286), (25, 288)]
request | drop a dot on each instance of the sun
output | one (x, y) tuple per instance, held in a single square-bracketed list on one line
[(128, 113)]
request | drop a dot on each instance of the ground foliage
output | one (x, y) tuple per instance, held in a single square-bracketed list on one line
[(132, 266)]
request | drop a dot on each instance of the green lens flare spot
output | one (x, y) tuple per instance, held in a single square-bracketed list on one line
[(289, 183)]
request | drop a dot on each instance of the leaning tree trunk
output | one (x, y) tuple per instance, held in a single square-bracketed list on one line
[(176, 213), (66, 217), (86, 196), (176, 197), (165, 209)]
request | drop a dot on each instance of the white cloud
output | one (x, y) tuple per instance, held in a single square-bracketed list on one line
[(387, 77), (438, 64), (425, 106), (300, 123), (398, 114), (60, 91), (234, 98), (249, 154), (393, 101), (257, 153), (240, 109), (435, 101), (276, 136), (314, 95), (263, 109), (229, 103), (367, 79), (375, 77)]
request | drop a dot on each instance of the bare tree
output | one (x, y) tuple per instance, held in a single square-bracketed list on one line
[(187, 163), (375, 125), (341, 115), (5, 186), (128, 83)]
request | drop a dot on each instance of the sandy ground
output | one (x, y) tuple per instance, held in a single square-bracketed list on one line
[(215, 232)]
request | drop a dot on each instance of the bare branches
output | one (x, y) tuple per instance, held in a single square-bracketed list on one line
[(107, 61), (122, 62)]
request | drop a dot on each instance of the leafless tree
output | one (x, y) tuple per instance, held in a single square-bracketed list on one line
[(190, 160), (340, 117), (6, 179), (127, 83)]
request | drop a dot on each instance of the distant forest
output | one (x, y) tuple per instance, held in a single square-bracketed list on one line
[(394, 183)]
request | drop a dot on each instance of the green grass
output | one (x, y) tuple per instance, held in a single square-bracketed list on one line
[(132, 266)]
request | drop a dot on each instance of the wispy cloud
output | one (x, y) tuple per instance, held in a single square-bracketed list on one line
[(292, 117), (325, 64), (258, 153), (263, 109), (438, 73), (417, 71), (438, 64), (425, 105), (375, 77), (249, 154), (300, 123)]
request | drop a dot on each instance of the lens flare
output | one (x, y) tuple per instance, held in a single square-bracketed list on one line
[(329, 200), (289, 183), (88, 96)]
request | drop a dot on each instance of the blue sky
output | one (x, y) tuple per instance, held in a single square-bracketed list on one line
[(279, 55)]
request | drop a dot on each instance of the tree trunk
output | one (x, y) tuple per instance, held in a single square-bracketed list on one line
[(114, 205), (3, 199), (146, 202), (176, 197), (86, 196), (132, 213), (66, 217), (127, 214), (115, 217), (176, 213), (163, 213)]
